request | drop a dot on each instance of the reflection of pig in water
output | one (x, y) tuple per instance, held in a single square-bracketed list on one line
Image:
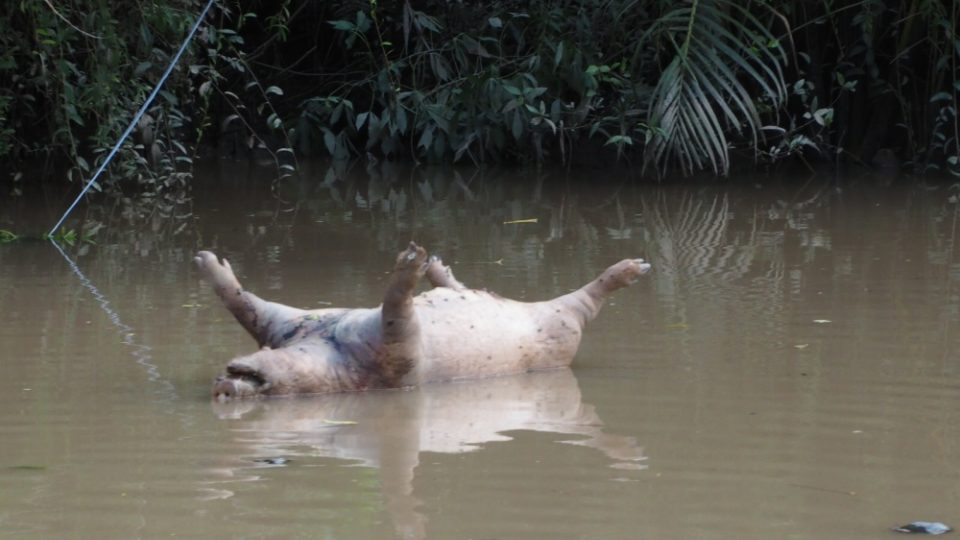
[(393, 428), (450, 332)]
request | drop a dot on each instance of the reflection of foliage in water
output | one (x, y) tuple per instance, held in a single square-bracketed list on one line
[(493, 218), (766, 266), (759, 249), (731, 264)]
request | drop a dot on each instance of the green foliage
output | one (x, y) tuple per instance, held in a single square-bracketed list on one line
[(716, 49), (66, 236), (248, 117), (8, 236), (74, 73), (696, 84), (527, 82), (877, 82), (690, 84)]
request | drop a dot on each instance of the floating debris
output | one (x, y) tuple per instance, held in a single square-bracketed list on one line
[(825, 489), (629, 466), (924, 527), (27, 468), (516, 221), (273, 461), (339, 422), (822, 321)]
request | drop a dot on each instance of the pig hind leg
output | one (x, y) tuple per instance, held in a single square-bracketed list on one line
[(440, 275), (400, 325)]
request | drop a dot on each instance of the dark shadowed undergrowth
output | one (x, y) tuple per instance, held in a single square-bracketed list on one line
[(702, 85)]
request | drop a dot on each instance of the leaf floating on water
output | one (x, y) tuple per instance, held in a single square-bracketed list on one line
[(677, 326), (339, 422), (619, 234), (825, 489), (28, 468), (924, 527), (801, 346), (822, 321), (193, 305), (516, 221), (7, 236)]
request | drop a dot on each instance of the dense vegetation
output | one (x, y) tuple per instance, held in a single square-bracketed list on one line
[(694, 85)]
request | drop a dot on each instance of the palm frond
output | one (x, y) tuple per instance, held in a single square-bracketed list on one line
[(720, 51)]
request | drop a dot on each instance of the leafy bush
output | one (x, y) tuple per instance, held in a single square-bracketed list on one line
[(73, 74), (533, 81), (688, 84)]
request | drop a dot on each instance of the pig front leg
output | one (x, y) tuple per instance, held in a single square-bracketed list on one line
[(258, 317)]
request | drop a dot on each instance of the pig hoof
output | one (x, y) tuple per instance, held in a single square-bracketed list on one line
[(638, 267), (412, 260), (205, 261), (437, 271), (216, 272), (440, 275), (624, 273)]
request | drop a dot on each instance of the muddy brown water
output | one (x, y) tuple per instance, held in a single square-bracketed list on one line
[(789, 369)]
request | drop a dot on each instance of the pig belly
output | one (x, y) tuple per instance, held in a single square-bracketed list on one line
[(470, 334)]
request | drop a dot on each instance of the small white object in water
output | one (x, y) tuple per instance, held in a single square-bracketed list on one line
[(924, 527)]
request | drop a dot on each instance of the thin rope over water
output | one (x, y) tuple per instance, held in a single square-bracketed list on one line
[(136, 118)]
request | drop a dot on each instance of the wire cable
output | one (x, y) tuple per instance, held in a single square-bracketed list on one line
[(136, 118)]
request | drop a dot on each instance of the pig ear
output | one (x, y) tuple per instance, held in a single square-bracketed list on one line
[(226, 264)]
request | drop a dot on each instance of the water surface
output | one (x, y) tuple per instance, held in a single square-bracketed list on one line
[(789, 369)]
